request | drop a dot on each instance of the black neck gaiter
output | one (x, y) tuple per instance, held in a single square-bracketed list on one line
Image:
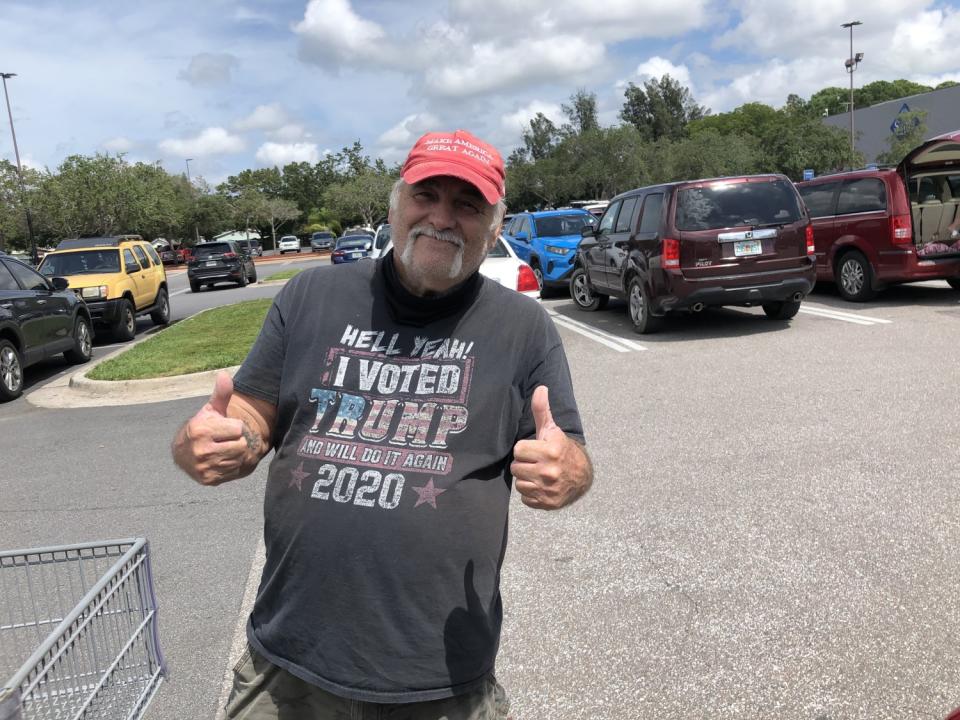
[(409, 309)]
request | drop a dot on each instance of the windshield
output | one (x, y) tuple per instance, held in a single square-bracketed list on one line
[(80, 263), (557, 225), (737, 204), (498, 250), (353, 243), (322, 236), (201, 251)]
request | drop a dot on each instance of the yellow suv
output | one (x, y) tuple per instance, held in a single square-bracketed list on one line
[(119, 278)]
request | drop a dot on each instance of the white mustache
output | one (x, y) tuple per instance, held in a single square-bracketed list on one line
[(446, 235)]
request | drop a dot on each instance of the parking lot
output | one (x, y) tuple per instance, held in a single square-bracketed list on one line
[(772, 529)]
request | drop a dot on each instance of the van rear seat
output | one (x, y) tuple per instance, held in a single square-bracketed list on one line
[(950, 208), (930, 213)]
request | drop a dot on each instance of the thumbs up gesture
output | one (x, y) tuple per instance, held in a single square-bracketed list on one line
[(552, 470), (211, 446)]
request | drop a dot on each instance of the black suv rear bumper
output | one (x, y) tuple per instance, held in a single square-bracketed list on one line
[(748, 295)]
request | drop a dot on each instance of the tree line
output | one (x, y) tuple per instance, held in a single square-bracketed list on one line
[(663, 135)]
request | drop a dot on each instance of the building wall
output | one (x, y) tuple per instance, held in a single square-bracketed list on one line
[(872, 125)]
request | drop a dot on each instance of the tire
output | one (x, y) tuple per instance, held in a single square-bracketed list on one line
[(954, 283), (194, 286), (126, 326), (82, 349), (783, 310), (242, 282), (583, 296), (253, 277), (638, 306), (855, 277), (11, 372), (161, 316)]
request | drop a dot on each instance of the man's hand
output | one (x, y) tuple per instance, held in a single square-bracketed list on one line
[(553, 470), (213, 448)]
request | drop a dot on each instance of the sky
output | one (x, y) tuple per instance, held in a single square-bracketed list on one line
[(260, 83)]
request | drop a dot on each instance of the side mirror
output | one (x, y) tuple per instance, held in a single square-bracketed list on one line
[(521, 236), (588, 231), (59, 283), (132, 268)]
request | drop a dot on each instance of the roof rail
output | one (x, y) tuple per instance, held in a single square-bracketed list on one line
[(105, 241)]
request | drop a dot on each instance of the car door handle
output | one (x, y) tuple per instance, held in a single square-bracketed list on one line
[(6, 304), (41, 302)]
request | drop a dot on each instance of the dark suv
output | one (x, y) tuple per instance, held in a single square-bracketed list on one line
[(694, 244), (39, 318), (879, 227), (220, 261)]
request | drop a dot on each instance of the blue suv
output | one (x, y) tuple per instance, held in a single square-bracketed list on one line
[(547, 241)]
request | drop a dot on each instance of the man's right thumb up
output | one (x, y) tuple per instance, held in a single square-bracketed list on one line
[(222, 390)]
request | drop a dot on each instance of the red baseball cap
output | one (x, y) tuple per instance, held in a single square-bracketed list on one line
[(460, 155)]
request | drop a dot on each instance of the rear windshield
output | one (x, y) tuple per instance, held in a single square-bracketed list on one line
[(498, 250), (557, 225), (352, 243), (79, 263), (201, 251), (723, 205)]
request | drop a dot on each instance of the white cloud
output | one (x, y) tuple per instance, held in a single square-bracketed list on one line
[(263, 117), (274, 154), (212, 141), (656, 67), (332, 33), (118, 145), (518, 121), (291, 132), (771, 84), (405, 132), (927, 43), (209, 69)]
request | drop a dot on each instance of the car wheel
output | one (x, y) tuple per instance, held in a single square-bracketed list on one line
[(583, 296), (954, 283), (11, 371), (126, 326), (783, 310), (82, 349), (242, 282), (253, 275), (639, 308), (854, 277), (161, 316), (194, 286)]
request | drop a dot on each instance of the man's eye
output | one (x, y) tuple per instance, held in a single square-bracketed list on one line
[(469, 207)]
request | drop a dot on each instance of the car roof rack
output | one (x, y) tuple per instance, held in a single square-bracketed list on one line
[(106, 241)]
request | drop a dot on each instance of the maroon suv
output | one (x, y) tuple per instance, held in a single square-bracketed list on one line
[(689, 245), (875, 228)]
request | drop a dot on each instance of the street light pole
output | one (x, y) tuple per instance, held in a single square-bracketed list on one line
[(196, 229), (16, 153), (851, 65)]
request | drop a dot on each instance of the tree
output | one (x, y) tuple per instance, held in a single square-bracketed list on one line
[(540, 137), (829, 101), (264, 180), (278, 211), (660, 109), (910, 129), (364, 197), (581, 112), (706, 154)]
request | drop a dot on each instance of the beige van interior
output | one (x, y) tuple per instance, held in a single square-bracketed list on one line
[(935, 206)]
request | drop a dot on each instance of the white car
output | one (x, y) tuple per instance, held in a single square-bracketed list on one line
[(380, 241), (288, 243), (503, 266)]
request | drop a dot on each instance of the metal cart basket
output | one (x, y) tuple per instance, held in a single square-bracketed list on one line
[(78, 632)]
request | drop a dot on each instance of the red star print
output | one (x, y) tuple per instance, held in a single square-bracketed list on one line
[(428, 494), (297, 476)]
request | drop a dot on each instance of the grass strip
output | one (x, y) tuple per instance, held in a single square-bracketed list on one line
[(214, 339), (284, 274)]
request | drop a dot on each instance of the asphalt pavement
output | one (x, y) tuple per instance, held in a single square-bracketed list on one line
[(773, 530)]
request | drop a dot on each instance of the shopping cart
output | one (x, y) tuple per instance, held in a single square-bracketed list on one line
[(78, 630)]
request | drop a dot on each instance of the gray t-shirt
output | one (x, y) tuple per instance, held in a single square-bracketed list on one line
[(386, 503)]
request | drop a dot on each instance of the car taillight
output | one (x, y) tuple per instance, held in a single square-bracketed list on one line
[(811, 249), (900, 230), (526, 280), (671, 253), (229, 255)]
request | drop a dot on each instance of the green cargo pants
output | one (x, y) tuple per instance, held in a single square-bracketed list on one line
[(263, 691)]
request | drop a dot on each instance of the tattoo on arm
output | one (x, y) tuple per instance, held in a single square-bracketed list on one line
[(253, 440)]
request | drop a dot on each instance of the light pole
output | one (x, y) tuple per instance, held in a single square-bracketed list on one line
[(196, 228), (16, 153), (851, 65)]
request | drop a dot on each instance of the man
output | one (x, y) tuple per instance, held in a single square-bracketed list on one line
[(402, 397)]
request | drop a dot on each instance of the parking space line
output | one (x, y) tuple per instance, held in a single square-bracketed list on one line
[(604, 338), (828, 312)]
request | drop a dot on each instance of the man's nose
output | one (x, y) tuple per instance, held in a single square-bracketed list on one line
[(443, 215)]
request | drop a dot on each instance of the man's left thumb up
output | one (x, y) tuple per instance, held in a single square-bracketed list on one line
[(540, 407)]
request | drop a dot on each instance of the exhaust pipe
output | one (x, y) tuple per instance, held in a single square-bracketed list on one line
[(797, 297), (697, 307)]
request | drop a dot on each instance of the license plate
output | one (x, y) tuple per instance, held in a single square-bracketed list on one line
[(356, 255), (747, 247), (211, 263)]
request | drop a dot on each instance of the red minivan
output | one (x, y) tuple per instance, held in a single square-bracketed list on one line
[(874, 228)]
